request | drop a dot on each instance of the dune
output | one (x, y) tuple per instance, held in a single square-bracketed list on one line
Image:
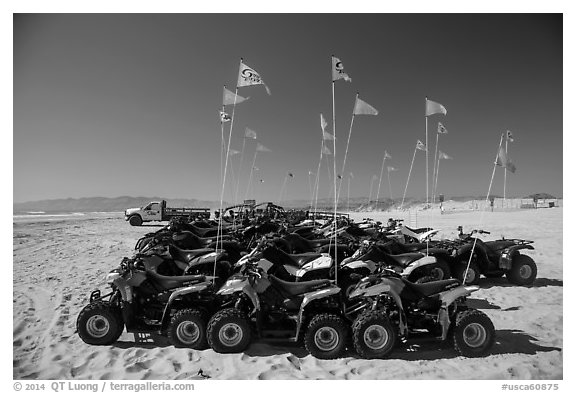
[(58, 261)]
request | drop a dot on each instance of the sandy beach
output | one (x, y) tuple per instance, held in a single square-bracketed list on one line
[(59, 260)]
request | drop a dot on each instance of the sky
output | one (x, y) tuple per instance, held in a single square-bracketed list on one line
[(127, 104)]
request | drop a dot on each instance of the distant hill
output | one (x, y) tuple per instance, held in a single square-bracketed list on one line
[(102, 204)]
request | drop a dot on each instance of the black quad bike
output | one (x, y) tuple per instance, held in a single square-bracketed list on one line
[(491, 258), (147, 302), (389, 308), (253, 302)]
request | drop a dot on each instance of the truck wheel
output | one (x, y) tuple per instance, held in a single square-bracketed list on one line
[(135, 221), (326, 336), (187, 329), (373, 335), (523, 270), (473, 333), (100, 323), (473, 275), (228, 331)]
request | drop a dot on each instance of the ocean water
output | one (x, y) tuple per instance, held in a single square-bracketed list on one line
[(32, 216)]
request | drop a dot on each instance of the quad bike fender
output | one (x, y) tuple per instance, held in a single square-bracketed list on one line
[(309, 298), (427, 260), (322, 262), (505, 261), (371, 266), (116, 279), (180, 293), (385, 289), (447, 298), (240, 285)]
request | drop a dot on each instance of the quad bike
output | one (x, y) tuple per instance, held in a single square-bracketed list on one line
[(492, 258), (388, 308), (256, 303), (147, 302)]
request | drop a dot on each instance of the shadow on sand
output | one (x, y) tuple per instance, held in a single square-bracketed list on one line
[(487, 283)]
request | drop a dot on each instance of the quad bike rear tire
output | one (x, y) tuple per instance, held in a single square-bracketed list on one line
[(135, 221), (187, 329), (100, 323), (326, 336), (473, 334), (229, 331), (523, 270), (373, 335)]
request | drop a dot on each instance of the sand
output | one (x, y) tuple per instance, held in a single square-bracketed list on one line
[(58, 261)]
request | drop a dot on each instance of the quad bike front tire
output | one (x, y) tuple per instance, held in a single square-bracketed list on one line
[(326, 336), (135, 221), (187, 329), (373, 335), (473, 334), (228, 331), (523, 270), (100, 323), (473, 275)]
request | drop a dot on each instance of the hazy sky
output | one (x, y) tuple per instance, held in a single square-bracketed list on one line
[(111, 105)]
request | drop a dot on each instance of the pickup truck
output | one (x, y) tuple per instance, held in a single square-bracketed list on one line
[(157, 211)]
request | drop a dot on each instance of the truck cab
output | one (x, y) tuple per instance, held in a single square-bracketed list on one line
[(151, 212)]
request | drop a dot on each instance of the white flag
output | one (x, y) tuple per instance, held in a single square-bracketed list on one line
[(229, 98), (338, 70), (233, 152), (261, 147), (391, 169), (248, 77), (364, 108), (250, 133), (323, 122), (443, 156), (386, 155), (433, 107), (326, 151)]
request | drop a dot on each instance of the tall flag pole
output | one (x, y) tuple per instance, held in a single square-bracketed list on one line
[(374, 177), (248, 134), (508, 138), (337, 73), (310, 188), (441, 156), (441, 130), (390, 169), (350, 176), (386, 155), (498, 162), (419, 146), (432, 108), (360, 108)]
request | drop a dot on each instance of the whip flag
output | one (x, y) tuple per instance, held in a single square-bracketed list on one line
[(224, 117), (323, 122), (248, 77), (229, 98), (250, 134), (420, 145), (442, 129), (386, 155), (443, 156), (338, 70), (509, 136), (363, 108), (433, 107), (504, 161), (261, 147)]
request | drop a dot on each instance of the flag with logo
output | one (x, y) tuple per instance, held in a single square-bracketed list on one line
[(363, 108), (338, 70), (224, 117), (504, 161), (433, 107), (509, 136), (248, 77), (229, 97), (442, 129), (443, 156), (420, 146), (261, 147), (250, 134)]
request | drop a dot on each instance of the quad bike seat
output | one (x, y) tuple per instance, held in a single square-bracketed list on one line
[(275, 255), (170, 282), (297, 288), (187, 256), (432, 287), (406, 259)]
